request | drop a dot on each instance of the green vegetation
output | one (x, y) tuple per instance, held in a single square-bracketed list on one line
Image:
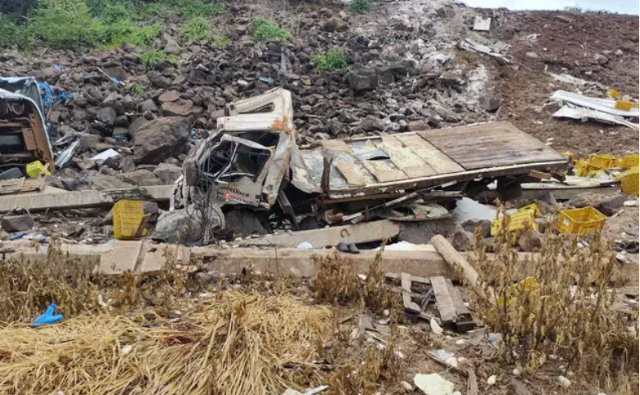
[(137, 90), (578, 10), (98, 23), (151, 58), (333, 59), (197, 28), (220, 41), (359, 6), (264, 30)]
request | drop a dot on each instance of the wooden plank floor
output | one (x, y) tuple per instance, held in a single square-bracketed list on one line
[(489, 145), (426, 154)]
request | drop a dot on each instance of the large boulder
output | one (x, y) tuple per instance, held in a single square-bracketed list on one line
[(16, 223), (140, 177), (160, 139), (185, 226), (102, 182), (363, 79), (167, 173)]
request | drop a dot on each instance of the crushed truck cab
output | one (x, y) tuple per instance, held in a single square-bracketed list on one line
[(252, 159), (23, 131), (245, 160)]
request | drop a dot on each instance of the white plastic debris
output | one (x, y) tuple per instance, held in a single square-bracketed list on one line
[(435, 328), (126, 349), (492, 380), (305, 245), (104, 155), (406, 386), (467, 209), (516, 372), (433, 384), (564, 382)]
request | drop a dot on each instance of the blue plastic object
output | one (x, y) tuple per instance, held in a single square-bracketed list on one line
[(48, 317)]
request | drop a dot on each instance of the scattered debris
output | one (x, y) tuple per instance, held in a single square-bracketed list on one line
[(433, 384), (482, 24)]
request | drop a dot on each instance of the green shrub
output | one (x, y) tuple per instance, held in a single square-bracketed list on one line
[(137, 90), (197, 29), (333, 59), (151, 58), (193, 9), (264, 30), (13, 34), (64, 23), (359, 6), (220, 41)]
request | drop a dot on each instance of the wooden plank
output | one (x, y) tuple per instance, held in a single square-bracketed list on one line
[(352, 174), (337, 145), (405, 283), (489, 145), (455, 259), (456, 297), (320, 238), (405, 159), (435, 158), (82, 199), (383, 172), (443, 299)]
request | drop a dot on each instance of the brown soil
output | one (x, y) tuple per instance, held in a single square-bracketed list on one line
[(566, 43)]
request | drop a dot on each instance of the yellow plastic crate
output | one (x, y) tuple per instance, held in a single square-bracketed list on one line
[(626, 161), (600, 161), (517, 221), (129, 220), (581, 221), (624, 105), (612, 93), (35, 168), (569, 155), (629, 181), (531, 207)]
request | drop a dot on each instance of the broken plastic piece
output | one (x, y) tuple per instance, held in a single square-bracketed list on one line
[(48, 317)]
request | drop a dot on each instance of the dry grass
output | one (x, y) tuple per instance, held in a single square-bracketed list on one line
[(27, 286), (337, 282), (565, 312), (235, 344)]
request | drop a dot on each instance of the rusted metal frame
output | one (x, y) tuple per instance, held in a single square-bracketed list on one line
[(284, 203)]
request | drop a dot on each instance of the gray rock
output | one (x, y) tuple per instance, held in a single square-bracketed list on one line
[(137, 124), (461, 240), (362, 80), (157, 80), (605, 203), (490, 103), (484, 225), (416, 126), (16, 223), (334, 25), (160, 139), (102, 182), (244, 222), (141, 177), (177, 108), (127, 164), (532, 55), (180, 226), (172, 47), (169, 96), (371, 124), (167, 173), (87, 141), (148, 105), (107, 115), (530, 241)]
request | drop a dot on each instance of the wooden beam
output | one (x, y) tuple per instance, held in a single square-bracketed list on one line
[(63, 200), (455, 259), (443, 299)]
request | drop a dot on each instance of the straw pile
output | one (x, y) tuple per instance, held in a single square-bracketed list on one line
[(235, 344)]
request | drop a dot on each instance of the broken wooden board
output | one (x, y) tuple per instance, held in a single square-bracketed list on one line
[(405, 159), (319, 238), (405, 283), (443, 299), (350, 172), (383, 172), (63, 200), (456, 298), (21, 185), (490, 145), (435, 158)]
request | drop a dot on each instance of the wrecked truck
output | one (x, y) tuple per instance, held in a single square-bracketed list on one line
[(253, 160), (23, 130)]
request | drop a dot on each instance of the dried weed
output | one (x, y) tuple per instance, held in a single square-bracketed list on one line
[(562, 309)]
